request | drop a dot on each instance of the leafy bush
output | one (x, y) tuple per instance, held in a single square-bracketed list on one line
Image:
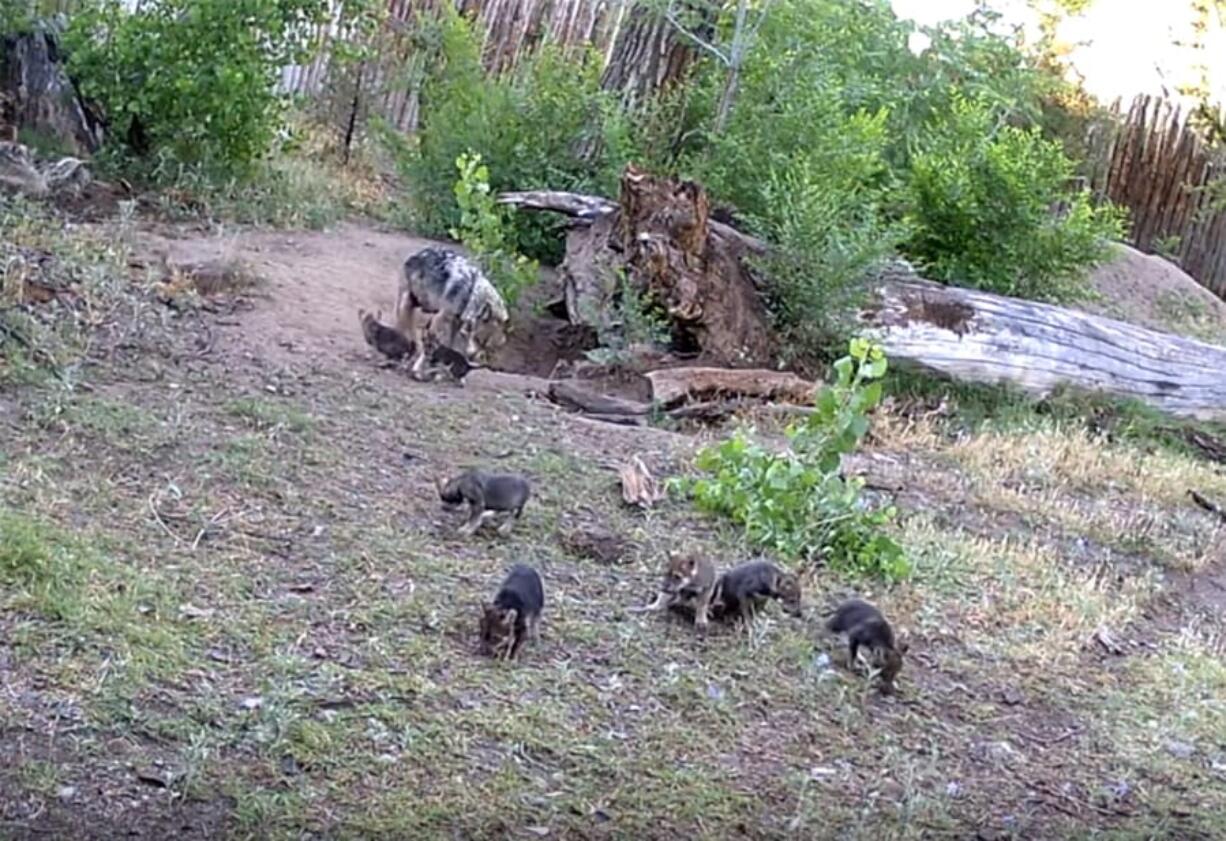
[(483, 230), (983, 203), (190, 81), (810, 177), (545, 124), (796, 502)]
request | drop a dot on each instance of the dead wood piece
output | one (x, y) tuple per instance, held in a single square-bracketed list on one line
[(617, 420), (1208, 505), (660, 237), (672, 386), (558, 201), (978, 337), (565, 394), (639, 487), (596, 543)]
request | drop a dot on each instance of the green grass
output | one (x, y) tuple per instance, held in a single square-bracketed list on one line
[(256, 591)]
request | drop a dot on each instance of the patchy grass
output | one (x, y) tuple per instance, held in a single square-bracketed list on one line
[(230, 611), (304, 184)]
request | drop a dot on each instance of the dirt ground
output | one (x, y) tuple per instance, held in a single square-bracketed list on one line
[(1151, 291), (235, 608)]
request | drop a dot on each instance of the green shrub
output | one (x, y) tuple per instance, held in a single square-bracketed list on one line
[(982, 200), (797, 503), (482, 230), (546, 124), (632, 320), (810, 177), (189, 81)]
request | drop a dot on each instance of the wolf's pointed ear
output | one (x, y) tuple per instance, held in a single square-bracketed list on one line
[(904, 646), (438, 484)]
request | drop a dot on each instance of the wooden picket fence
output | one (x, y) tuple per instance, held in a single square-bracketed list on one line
[(391, 79), (1152, 161)]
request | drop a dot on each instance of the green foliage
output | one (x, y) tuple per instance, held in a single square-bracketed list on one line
[(808, 172), (545, 124), (633, 321), (796, 502), (483, 230), (189, 81), (40, 568), (982, 200)]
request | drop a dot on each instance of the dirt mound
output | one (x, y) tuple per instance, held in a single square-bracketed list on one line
[(1153, 292)]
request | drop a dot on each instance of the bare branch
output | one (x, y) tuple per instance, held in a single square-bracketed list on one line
[(688, 33)]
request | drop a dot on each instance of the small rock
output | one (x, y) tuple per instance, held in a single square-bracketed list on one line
[(66, 793), (1001, 752), (953, 788), (714, 692), (1011, 696), (1180, 750), (252, 703), (155, 776)]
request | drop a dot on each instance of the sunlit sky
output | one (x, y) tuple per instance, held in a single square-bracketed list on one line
[(1124, 46)]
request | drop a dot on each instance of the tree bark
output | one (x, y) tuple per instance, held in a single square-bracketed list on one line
[(661, 237), (647, 56), (40, 97), (982, 338), (672, 386)]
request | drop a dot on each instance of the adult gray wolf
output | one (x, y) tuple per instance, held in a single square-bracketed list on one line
[(440, 288)]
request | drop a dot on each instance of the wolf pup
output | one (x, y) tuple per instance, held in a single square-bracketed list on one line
[(515, 613), (867, 628), (488, 495), (445, 361), (689, 583), (742, 590), (441, 287), (382, 338)]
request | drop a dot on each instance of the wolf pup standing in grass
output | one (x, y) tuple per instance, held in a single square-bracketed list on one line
[(440, 287), (866, 628), (742, 590), (488, 495), (689, 583), (515, 613)]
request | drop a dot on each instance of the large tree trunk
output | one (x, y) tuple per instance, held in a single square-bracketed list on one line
[(647, 56), (39, 96), (977, 337)]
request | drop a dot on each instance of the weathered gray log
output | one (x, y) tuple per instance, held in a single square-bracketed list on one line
[(982, 338), (566, 394)]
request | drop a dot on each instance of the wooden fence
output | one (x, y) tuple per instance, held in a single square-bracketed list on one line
[(1153, 162), (390, 81)]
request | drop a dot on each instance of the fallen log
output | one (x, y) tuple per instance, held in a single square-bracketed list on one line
[(983, 338), (671, 386), (660, 233), (565, 394)]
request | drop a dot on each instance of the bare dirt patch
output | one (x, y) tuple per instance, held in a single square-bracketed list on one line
[(1153, 292)]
